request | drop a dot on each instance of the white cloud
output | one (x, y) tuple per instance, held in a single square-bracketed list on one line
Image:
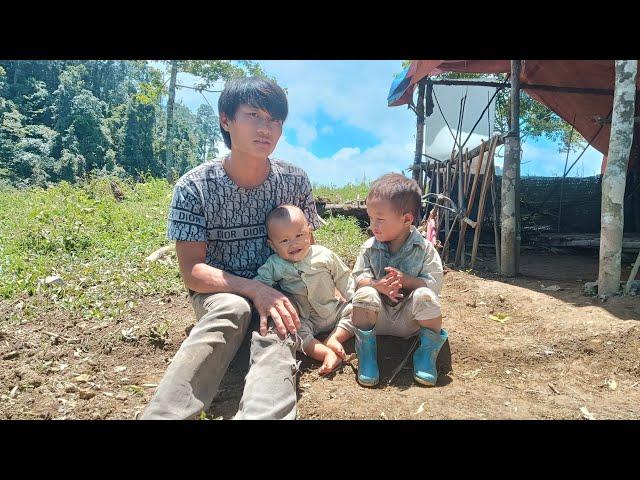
[(349, 164), (543, 158), (305, 133), (354, 92)]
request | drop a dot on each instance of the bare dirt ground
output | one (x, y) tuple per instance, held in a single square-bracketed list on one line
[(557, 355)]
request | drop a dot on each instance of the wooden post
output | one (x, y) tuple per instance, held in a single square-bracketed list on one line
[(447, 193), (614, 178), (483, 199), (496, 233), (510, 182), (419, 132), (460, 191), (472, 197)]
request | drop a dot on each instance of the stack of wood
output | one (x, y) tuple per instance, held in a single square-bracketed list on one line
[(477, 182)]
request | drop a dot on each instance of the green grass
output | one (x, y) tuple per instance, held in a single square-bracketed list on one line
[(343, 236), (97, 246), (349, 192)]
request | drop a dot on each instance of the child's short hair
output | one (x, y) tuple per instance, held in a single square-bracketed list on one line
[(403, 193), (255, 91), (282, 212)]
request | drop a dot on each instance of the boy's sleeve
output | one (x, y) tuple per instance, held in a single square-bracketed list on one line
[(362, 268), (267, 273), (186, 221), (342, 277), (431, 271), (307, 204)]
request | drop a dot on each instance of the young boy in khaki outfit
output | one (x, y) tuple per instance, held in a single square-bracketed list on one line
[(398, 278)]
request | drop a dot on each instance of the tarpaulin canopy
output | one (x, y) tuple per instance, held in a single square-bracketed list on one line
[(582, 110)]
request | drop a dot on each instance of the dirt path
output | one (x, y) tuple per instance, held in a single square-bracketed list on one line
[(557, 352)]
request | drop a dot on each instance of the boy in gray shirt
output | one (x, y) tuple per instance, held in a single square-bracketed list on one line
[(399, 277)]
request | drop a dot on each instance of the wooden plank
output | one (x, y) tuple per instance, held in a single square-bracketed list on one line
[(483, 196), (632, 275), (472, 198)]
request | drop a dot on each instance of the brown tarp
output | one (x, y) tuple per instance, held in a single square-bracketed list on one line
[(581, 110)]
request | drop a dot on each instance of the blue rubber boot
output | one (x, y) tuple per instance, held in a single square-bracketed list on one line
[(424, 358), (367, 352)]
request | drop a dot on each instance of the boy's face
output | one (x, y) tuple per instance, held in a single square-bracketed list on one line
[(290, 237), (252, 131), (387, 224)]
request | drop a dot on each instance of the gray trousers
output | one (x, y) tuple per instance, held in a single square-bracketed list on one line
[(192, 380)]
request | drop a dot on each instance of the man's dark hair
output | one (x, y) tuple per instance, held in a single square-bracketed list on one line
[(403, 193), (257, 92)]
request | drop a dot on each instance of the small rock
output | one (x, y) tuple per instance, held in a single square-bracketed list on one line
[(54, 280), (612, 384), (421, 408), (87, 394), (71, 388), (13, 392), (590, 289), (586, 413), (306, 385), (120, 368), (83, 378), (553, 288), (501, 298), (121, 396), (383, 416), (11, 355)]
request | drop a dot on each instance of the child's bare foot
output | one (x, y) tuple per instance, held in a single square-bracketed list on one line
[(336, 346), (330, 363)]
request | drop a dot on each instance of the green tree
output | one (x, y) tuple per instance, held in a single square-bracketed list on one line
[(208, 131), (209, 72), (138, 156)]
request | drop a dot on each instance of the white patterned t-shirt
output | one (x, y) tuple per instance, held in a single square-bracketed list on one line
[(208, 207)]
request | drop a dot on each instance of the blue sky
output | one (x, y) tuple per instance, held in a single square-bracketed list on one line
[(340, 129)]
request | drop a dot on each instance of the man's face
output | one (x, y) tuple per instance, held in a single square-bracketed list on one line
[(252, 131), (387, 223), (290, 237)]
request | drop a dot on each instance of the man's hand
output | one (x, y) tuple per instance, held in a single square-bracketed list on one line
[(269, 302), (390, 286)]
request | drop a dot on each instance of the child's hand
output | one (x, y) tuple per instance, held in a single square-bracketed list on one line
[(395, 273), (330, 363), (336, 346), (390, 286)]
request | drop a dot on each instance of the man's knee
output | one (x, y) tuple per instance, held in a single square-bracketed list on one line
[(227, 305)]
